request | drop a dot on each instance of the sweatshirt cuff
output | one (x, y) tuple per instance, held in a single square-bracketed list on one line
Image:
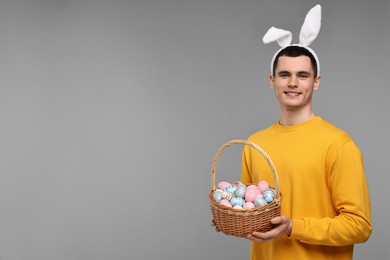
[(298, 229)]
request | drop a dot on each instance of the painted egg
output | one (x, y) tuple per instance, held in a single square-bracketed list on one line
[(240, 191), (249, 205), (226, 203), (251, 194), (237, 201), (227, 195), (223, 184), (269, 199), (262, 186), (259, 201), (237, 207), (230, 189), (269, 192), (252, 186), (217, 195)]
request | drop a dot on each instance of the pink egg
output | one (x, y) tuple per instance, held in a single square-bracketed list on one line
[(223, 184), (237, 207), (262, 186), (252, 186), (249, 205), (226, 203), (251, 194)]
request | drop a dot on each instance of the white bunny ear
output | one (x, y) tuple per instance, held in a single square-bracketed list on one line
[(311, 26), (282, 37)]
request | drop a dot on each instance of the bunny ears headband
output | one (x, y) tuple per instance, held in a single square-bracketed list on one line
[(309, 31)]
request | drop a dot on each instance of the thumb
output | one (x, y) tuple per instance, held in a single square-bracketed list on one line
[(280, 220), (276, 220)]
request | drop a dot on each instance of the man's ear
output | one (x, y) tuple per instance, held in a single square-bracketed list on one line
[(272, 81), (317, 82)]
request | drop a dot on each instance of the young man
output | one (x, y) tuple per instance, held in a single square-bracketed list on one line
[(325, 206), (325, 200)]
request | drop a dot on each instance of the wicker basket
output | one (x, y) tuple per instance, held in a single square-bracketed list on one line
[(242, 222)]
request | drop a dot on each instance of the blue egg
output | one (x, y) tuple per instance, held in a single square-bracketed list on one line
[(217, 196), (269, 192), (240, 191), (259, 201), (237, 201), (269, 198), (230, 189)]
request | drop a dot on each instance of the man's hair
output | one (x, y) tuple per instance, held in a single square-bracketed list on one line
[(296, 51)]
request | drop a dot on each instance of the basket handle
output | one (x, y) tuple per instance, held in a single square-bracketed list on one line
[(253, 145)]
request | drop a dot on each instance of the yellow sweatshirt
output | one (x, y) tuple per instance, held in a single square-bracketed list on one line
[(323, 186)]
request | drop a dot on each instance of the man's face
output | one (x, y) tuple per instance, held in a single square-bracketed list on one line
[(294, 82)]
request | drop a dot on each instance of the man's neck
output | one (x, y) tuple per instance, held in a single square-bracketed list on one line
[(289, 118)]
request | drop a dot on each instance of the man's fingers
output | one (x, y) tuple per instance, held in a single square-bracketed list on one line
[(213, 224)]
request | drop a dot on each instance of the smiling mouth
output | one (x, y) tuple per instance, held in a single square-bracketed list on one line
[(292, 93)]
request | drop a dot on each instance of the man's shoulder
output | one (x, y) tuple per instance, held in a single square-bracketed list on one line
[(330, 128), (332, 135), (261, 133)]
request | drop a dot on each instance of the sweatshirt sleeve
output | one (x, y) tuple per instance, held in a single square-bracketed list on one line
[(350, 196)]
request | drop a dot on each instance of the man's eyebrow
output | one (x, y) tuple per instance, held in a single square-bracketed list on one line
[(302, 72)]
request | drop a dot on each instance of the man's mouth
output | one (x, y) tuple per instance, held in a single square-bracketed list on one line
[(292, 93)]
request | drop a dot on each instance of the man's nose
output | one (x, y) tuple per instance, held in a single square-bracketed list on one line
[(293, 83)]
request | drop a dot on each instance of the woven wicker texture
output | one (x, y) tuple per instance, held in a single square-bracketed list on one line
[(242, 222)]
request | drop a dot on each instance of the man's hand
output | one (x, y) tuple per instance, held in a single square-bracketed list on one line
[(283, 227)]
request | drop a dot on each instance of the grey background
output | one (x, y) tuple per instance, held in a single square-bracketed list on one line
[(111, 112)]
